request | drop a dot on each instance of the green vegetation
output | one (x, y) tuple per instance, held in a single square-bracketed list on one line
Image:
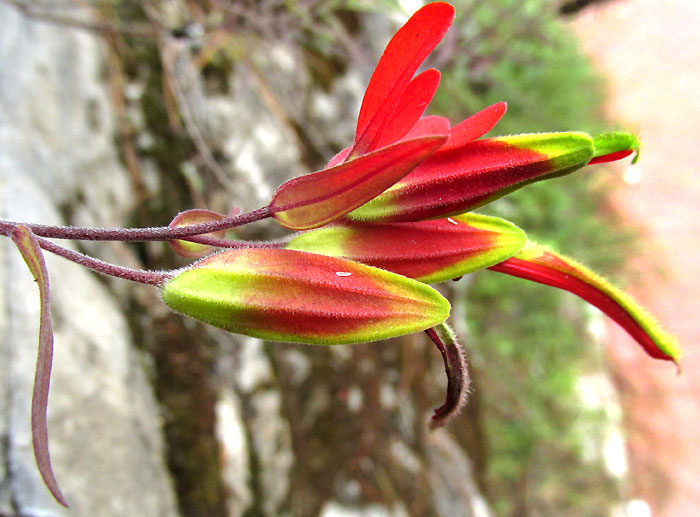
[(529, 343)]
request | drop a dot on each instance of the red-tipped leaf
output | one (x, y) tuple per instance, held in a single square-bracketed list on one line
[(319, 198)]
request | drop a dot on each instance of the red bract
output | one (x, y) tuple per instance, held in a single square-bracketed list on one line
[(403, 55)]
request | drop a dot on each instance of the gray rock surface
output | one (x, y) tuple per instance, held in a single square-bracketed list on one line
[(56, 147)]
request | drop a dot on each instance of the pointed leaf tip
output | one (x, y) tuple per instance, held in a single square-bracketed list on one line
[(543, 265), (28, 246)]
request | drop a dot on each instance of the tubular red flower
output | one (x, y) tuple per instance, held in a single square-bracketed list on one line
[(545, 266)]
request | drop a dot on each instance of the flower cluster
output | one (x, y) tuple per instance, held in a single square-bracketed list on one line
[(386, 217)]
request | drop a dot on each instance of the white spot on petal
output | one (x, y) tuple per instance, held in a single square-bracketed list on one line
[(452, 221), (343, 273)]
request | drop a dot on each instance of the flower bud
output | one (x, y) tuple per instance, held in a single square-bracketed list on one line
[(429, 251), (460, 180), (286, 295)]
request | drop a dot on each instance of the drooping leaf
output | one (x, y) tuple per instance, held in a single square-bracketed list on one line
[(543, 265), (429, 251), (457, 374), (287, 295), (457, 181), (403, 55), (28, 246), (316, 199), (189, 217)]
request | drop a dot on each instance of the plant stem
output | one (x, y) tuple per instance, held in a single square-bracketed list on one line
[(158, 233), (156, 278)]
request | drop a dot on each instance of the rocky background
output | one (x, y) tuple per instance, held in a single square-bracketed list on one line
[(123, 114)]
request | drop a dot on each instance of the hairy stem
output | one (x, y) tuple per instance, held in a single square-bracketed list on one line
[(158, 233), (156, 278)]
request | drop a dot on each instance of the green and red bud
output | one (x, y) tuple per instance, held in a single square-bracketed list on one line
[(429, 251), (540, 264), (286, 295), (467, 177), (615, 145), (189, 217)]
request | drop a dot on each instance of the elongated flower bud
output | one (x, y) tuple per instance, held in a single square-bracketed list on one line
[(457, 181), (543, 265), (429, 251), (286, 295)]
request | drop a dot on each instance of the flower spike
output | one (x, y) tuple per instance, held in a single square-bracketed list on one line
[(457, 181), (429, 251), (403, 55), (543, 265), (292, 296), (316, 199)]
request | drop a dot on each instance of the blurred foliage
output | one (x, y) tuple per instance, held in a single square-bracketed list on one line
[(529, 343)]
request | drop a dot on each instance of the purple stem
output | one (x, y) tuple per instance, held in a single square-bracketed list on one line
[(156, 278), (158, 233)]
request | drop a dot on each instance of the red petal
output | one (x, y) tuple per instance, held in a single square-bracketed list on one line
[(403, 55), (475, 126), (618, 155), (319, 198), (430, 125), (413, 102), (548, 268)]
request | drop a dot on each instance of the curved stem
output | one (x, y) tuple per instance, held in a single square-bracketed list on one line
[(158, 233), (156, 278)]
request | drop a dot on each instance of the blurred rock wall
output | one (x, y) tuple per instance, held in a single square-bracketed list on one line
[(250, 428)]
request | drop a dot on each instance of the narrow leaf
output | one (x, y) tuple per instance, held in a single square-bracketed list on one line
[(543, 265), (457, 374), (403, 55), (316, 199), (189, 217), (474, 127), (429, 251), (286, 295), (31, 253), (457, 181)]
